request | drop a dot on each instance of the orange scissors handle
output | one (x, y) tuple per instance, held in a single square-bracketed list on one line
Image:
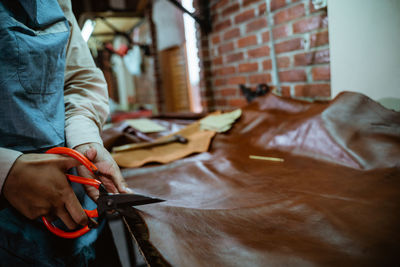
[(75, 234), (77, 179), (76, 155)]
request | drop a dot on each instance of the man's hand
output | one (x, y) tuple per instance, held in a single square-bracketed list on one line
[(110, 174), (37, 186)]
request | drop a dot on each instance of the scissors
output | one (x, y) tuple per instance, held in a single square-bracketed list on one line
[(105, 202)]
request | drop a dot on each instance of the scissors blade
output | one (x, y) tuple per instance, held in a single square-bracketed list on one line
[(134, 199), (116, 201)]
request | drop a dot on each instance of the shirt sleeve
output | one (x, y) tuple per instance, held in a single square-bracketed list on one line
[(85, 96), (7, 159), (85, 89)]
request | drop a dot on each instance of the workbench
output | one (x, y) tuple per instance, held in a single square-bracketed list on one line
[(292, 183)]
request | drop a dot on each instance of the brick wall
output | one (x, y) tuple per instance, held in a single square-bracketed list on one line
[(238, 50)]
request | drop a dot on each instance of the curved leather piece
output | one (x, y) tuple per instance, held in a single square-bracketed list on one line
[(196, 141), (334, 201)]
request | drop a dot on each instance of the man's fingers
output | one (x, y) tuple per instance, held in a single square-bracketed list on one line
[(92, 192), (69, 162), (84, 172), (75, 209), (66, 218), (51, 217), (110, 173), (91, 153), (120, 182)]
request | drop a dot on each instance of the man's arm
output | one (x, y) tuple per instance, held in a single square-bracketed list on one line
[(85, 89), (86, 104), (35, 184)]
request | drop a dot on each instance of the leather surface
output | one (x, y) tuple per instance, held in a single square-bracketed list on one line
[(334, 201)]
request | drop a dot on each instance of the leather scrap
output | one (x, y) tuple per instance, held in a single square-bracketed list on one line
[(198, 141), (221, 122)]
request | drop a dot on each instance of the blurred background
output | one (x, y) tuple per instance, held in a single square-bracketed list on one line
[(196, 56), (186, 58)]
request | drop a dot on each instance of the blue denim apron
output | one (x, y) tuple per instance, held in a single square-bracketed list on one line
[(33, 39)]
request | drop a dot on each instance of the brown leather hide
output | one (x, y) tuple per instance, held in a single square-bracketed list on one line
[(334, 201)]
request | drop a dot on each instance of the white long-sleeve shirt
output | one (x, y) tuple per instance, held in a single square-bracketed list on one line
[(85, 96)]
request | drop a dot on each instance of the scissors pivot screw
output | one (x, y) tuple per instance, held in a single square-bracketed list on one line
[(110, 202)]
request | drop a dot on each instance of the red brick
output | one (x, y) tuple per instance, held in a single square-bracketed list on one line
[(214, 18), (292, 76), (265, 37), (260, 78), (217, 61), (219, 4), (285, 91), (207, 73), (219, 82), (248, 67), (234, 57), (319, 39), (311, 7), (220, 102), (247, 41), (244, 16), (267, 64), (249, 2), (322, 73), (208, 93), (313, 90), (316, 57), (236, 80), (309, 24), (262, 9), (232, 34), (204, 103), (276, 4), (258, 52), (225, 48), (228, 92), (280, 32), (205, 53), (283, 62), (231, 9), (215, 39), (225, 71), (258, 24), (289, 14), (222, 25), (237, 102), (206, 64), (204, 42), (289, 45)]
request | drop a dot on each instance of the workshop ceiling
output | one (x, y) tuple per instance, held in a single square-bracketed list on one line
[(105, 26), (109, 16), (137, 7)]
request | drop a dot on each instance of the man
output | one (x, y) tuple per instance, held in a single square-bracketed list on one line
[(51, 94)]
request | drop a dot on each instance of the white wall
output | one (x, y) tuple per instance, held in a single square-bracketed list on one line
[(169, 23), (364, 40)]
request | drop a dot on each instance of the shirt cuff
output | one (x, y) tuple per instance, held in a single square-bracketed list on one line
[(81, 130), (7, 159)]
